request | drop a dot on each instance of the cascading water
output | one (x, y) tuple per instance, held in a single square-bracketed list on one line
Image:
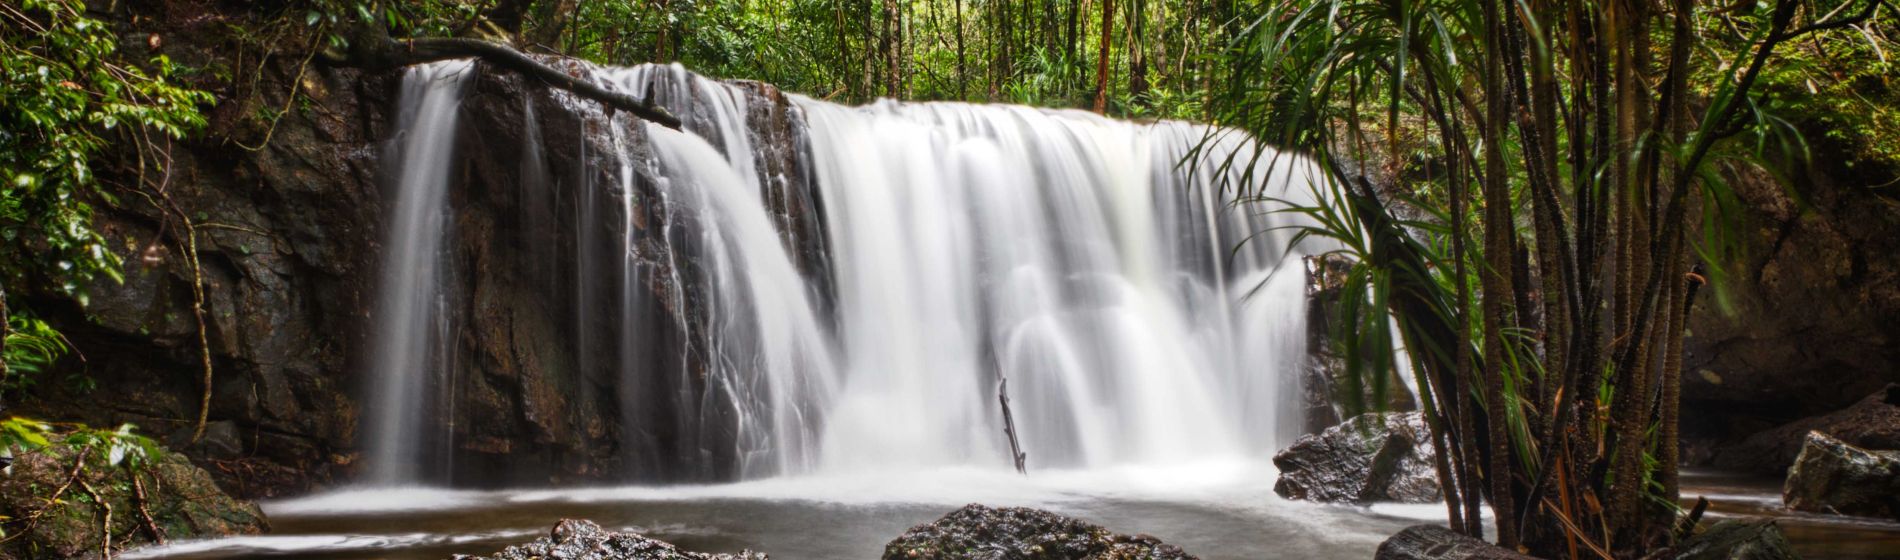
[(1065, 252), (412, 331), (858, 307)]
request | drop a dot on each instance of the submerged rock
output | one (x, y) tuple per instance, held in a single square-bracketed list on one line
[(182, 500), (1737, 539), (1833, 476), (984, 533), (1373, 457), (1433, 542), (580, 539)]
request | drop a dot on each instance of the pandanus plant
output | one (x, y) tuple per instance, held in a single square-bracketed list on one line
[(1560, 166)]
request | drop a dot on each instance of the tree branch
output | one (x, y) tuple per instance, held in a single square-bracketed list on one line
[(373, 50)]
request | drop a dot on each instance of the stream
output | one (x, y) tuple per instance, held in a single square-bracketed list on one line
[(1215, 511)]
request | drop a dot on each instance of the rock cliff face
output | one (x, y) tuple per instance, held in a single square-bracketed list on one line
[(1809, 328), (287, 241), (540, 390), (1873, 423), (1326, 386), (577, 325)]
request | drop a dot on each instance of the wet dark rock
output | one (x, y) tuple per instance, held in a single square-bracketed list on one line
[(1737, 539), (1326, 395), (579, 539), (539, 220), (287, 246), (1373, 457), (220, 441), (1835, 477), (183, 501), (1873, 423), (1434, 542), (1808, 327), (978, 532)]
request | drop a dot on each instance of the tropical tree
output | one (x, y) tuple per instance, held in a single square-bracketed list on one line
[(1557, 153)]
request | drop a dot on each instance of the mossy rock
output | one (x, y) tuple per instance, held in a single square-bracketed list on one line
[(183, 502)]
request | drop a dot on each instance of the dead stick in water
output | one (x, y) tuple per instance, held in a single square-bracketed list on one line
[(1686, 527), (1009, 427)]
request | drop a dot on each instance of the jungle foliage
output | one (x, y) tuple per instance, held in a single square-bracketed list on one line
[(68, 98), (1550, 196), (1551, 173)]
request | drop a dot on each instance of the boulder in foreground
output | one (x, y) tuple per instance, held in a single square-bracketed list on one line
[(580, 539), (1872, 423), (1434, 542), (1738, 539), (1374, 457), (978, 532), (1833, 477), (54, 510)]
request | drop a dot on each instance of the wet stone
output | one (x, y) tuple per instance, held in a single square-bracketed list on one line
[(1375, 457), (1831, 476), (979, 532), (579, 539)]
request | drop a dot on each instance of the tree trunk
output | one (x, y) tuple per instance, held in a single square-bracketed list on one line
[(1499, 231), (550, 19), (6, 323), (963, 66), (1138, 53), (887, 44), (1070, 39), (1101, 57)]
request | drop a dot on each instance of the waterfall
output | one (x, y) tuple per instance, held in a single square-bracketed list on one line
[(848, 289), (411, 329), (1067, 253)]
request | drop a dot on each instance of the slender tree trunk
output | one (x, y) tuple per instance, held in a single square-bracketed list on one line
[(1070, 39), (868, 82), (1499, 231), (6, 323), (663, 41), (1137, 53), (1102, 56), (1630, 407), (963, 65), (890, 46)]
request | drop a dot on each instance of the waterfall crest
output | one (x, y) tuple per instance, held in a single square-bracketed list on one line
[(791, 285)]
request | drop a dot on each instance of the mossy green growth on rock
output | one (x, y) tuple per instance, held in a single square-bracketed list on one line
[(58, 497)]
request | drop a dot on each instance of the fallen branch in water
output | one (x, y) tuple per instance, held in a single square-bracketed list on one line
[(1009, 427), (373, 50)]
